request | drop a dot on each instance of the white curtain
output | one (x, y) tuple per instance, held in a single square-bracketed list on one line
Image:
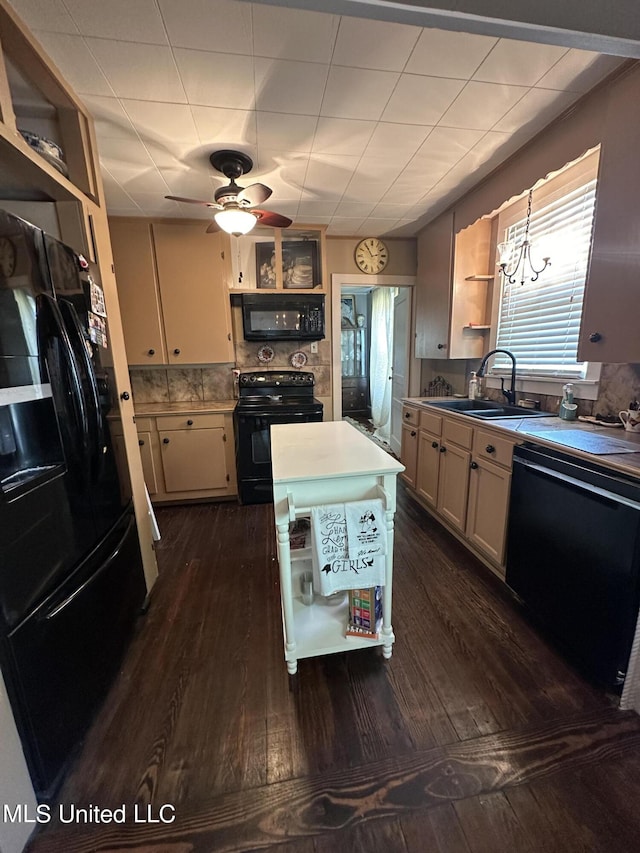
[(380, 361)]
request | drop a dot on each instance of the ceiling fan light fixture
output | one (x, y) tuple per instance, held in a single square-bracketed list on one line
[(235, 221)]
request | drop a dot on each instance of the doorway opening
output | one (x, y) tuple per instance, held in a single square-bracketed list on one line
[(374, 358)]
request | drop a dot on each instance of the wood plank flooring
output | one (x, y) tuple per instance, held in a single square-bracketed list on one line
[(476, 736)]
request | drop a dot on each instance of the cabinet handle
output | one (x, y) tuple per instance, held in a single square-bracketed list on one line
[(594, 337), (140, 442), (490, 448), (440, 346), (434, 444), (165, 441), (443, 450), (413, 433), (124, 395), (152, 352), (189, 422), (474, 465), (176, 352), (407, 414)]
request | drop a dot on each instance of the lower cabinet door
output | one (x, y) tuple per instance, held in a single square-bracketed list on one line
[(453, 485), (148, 465), (428, 467), (489, 489), (193, 460), (409, 453)]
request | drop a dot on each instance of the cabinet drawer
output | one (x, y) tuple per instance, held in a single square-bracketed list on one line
[(170, 422), (410, 416), (144, 424), (430, 422), (488, 445), (458, 433)]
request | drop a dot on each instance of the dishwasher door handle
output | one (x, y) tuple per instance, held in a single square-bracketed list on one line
[(579, 484)]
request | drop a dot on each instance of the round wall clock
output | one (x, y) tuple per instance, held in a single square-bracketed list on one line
[(371, 255)]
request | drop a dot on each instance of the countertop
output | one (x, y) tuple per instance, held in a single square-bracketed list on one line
[(526, 429), (184, 408), (317, 451)]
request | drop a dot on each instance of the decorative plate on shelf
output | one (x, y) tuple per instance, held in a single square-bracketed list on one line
[(298, 359), (265, 354)]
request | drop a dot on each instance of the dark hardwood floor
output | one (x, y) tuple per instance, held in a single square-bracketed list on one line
[(476, 737)]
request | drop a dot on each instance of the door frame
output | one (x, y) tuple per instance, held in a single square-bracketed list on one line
[(355, 280)]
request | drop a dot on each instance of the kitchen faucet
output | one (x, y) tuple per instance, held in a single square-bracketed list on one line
[(510, 395)]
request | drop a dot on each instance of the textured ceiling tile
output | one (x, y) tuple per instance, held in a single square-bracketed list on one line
[(389, 138), (286, 132), (579, 70), (216, 79), (78, 66), (480, 105), (535, 110), (155, 119), (289, 87), (119, 19), (50, 16), (440, 53), (210, 25), (518, 62), (329, 175), (354, 209), (357, 93), (421, 100), (285, 33), (109, 117), (143, 71), (227, 127), (374, 44), (342, 136)]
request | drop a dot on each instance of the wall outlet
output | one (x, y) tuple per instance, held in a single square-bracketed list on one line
[(314, 346)]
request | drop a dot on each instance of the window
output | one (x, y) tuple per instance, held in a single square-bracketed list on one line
[(539, 321)]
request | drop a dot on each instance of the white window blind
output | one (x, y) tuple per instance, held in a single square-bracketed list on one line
[(539, 321)]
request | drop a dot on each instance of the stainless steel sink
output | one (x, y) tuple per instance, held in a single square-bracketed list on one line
[(487, 409)]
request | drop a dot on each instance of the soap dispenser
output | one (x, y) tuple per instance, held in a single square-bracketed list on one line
[(568, 409), (474, 392)]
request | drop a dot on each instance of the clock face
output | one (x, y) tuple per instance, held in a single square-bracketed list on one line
[(371, 255), (7, 257)]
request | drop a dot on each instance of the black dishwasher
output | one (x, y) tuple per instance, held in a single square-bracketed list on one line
[(573, 556)]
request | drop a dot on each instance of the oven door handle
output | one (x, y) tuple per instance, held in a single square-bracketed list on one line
[(579, 484)]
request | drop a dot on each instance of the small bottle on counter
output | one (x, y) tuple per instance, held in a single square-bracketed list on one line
[(474, 391)]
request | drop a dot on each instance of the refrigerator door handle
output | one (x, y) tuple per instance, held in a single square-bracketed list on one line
[(56, 608), (57, 330), (74, 329)]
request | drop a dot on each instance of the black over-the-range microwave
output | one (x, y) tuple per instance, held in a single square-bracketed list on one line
[(283, 316)]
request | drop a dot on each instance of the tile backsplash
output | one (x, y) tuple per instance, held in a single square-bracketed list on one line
[(182, 384)]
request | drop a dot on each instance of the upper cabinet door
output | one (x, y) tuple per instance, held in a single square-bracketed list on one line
[(137, 291), (609, 330), (194, 294), (433, 310)]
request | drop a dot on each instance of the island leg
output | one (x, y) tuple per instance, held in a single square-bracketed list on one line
[(387, 594), (284, 562)]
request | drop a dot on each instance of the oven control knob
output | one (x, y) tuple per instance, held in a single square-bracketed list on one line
[(252, 378)]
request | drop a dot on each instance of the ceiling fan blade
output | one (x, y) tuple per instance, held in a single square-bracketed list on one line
[(275, 220), (254, 194), (192, 201)]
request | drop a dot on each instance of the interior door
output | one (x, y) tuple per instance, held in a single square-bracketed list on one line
[(400, 372)]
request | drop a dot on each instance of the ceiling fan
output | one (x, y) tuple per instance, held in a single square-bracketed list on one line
[(237, 213)]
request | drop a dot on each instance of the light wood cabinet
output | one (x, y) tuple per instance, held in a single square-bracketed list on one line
[(148, 463), (173, 289), (463, 475), (409, 443), (138, 291), (488, 508), (192, 456), (609, 327), (433, 304), (409, 453)]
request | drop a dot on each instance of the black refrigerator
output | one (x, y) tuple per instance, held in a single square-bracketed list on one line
[(71, 578)]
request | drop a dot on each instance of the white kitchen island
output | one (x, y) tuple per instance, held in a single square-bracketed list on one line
[(315, 464)]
